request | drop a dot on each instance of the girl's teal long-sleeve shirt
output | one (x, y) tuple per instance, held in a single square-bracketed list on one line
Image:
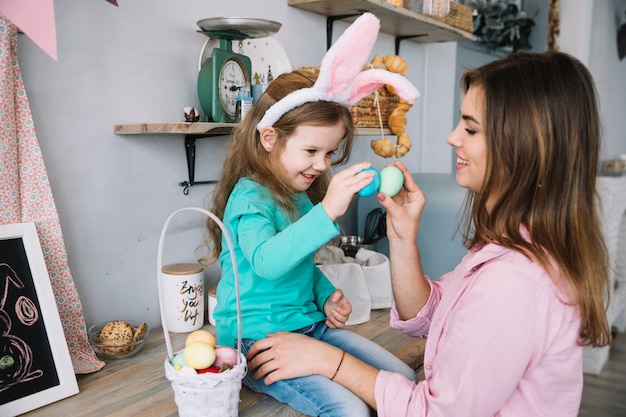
[(281, 288)]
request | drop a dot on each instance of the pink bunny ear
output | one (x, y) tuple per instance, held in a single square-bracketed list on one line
[(368, 81), (341, 78), (346, 58)]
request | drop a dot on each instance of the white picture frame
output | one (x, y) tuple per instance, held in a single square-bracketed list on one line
[(35, 364)]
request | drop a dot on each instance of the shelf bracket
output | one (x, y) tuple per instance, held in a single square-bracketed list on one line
[(401, 38), (190, 151), (330, 20)]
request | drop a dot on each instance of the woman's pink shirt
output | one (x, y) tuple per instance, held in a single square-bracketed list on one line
[(502, 341)]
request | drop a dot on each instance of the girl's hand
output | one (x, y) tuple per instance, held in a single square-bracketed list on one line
[(337, 309), (291, 355), (343, 186), (404, 210)]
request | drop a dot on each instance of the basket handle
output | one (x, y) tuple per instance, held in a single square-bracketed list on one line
[(168, 342)]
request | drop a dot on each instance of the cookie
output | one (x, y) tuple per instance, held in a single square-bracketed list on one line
[(116, 333), (139, 332)]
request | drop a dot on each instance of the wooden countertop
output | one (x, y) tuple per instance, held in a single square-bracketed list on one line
[(137, 386)]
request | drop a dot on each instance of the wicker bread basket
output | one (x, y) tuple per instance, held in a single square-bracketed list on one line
[(365, 112), (460, 17)]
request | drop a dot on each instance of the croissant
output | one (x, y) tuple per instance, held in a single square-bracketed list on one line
[(403, 145), (395, 63), (377, 61), (404, 105), (383, 147), (397, 121)]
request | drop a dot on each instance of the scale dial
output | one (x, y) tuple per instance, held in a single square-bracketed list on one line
[(226, 72), (232, 78)]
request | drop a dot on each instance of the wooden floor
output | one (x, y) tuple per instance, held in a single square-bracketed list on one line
[(604, 395), (137, 386)]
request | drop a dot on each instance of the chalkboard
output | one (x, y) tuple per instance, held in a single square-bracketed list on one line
[(35, 368)]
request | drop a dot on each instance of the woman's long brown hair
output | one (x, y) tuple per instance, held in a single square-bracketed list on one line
[(542, 130), (246, 157)]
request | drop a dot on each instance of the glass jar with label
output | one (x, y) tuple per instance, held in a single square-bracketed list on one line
[(244, 104)]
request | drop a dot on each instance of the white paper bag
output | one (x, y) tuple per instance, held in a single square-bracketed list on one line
[(365, 280), (348, 276), (377, 275)]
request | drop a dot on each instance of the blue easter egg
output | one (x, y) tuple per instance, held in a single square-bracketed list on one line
[(391, 180), (372, 187)]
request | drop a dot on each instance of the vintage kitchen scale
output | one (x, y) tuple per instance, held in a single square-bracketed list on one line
[(223, 73)]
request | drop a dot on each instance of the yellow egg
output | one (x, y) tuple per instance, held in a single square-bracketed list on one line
[(199, 355), (200, 336)]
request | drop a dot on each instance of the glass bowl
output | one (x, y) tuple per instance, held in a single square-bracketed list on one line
[(125, 339)]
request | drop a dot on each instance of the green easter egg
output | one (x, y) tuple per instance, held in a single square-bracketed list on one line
[(179, 360), (391, 180)]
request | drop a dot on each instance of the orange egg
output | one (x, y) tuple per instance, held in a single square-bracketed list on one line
[(199, 355), (200, 336)]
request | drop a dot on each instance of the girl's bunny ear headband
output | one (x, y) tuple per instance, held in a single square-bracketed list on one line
[(341, 78)]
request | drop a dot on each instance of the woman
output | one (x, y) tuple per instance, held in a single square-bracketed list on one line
[(506, 328)]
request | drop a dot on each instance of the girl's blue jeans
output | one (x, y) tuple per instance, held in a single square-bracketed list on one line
[(317, 395)]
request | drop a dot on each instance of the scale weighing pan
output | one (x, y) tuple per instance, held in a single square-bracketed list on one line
[(238, 27)]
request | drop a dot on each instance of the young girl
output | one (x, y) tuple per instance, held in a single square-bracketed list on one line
[(279, 207), (506, 328)]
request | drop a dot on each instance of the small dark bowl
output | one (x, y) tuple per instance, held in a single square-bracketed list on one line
[(107, 350)]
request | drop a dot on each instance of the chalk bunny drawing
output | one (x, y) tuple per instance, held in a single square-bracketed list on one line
[(16, 357)]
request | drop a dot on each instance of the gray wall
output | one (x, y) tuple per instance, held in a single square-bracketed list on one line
[(138, 63)]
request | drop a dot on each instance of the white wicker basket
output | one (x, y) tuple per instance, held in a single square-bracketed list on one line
[(208, 394)]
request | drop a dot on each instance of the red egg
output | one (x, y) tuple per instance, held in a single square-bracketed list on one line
[(209, 370)]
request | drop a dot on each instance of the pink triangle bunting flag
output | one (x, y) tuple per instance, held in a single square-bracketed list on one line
[(36, 19)]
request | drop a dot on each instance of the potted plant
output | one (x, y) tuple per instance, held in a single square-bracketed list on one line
[(501, 24)]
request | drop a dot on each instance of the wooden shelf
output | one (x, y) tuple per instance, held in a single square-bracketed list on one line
[(198, 130), (204, 129), (185, 128), (191, 130), (394, 20)]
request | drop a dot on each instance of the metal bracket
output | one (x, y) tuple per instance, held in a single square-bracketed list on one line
[(401, 38), (330, 20), (190, 152)]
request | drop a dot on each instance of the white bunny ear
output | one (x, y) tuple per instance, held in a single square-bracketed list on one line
[(368, 81), (346, 57)]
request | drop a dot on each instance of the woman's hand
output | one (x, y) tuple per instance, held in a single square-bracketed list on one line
[(337, 309), (290, 355), (342, 188), (404, 210)]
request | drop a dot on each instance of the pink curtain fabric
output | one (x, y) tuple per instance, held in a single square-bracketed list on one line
[(26, 196)]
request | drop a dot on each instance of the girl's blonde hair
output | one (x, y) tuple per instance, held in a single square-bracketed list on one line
[(246, 157), (542, 130)]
